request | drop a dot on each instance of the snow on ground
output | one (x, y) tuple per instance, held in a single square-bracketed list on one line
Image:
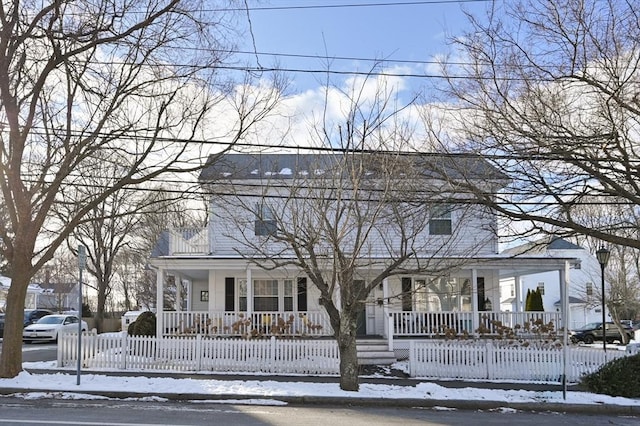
[(61, 385)]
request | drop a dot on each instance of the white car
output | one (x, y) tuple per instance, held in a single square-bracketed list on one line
[(51, 326)]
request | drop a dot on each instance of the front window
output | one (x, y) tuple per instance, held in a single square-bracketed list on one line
[(269, 295), (288, 295), (242, 295), (443, 294), (265, 295)]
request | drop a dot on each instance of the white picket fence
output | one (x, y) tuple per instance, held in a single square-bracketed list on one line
[(490, 361), (198, 353), (433, 359)]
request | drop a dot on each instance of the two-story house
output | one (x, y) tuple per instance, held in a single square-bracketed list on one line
[(388, 215)]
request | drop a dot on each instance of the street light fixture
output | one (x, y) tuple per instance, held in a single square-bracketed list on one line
[(603, 254)]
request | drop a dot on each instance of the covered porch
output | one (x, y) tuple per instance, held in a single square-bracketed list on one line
[(225, 297)]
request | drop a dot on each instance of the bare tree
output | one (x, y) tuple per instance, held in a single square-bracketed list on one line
[(623, 275), (102, 80), (170, 211), (349, 218), (547, 91), (106, 231), (58, 278)]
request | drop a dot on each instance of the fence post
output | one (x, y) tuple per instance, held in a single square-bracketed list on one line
[(272, 359), (488, 357), (390, 331), (61, 346), (412, 358), (123, 351), (199, 352)]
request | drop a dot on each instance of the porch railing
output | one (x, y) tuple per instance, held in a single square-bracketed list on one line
[(189, 241), (216, 323), (414, 323)]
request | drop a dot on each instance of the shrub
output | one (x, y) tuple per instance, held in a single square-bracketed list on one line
[(620, 377), (144, 325)]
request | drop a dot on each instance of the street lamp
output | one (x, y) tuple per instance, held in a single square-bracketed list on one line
[(602, 254)]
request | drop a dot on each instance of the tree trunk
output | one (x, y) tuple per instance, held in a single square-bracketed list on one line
[(11, 356), (102, 301), (349, 368)]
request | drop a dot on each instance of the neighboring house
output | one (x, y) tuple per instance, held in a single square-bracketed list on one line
[(226, 294), (58, 296), (40, 296), (585, 302)]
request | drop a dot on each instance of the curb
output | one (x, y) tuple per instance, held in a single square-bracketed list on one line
[(359, 401)]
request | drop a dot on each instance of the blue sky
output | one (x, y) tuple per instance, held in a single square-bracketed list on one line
[(394, 30)]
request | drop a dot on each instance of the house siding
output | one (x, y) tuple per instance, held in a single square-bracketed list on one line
[(473, 232)]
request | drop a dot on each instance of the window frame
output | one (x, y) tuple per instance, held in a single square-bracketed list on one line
[(265, 223), (441, 219)]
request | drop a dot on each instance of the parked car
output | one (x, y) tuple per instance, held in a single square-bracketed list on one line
[(593, 331), (50, 327), (33, 315), (1, 325)]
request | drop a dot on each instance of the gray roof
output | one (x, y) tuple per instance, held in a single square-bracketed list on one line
[(572, 301), (542, 246), (288, 166)]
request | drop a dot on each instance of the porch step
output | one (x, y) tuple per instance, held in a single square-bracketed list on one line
[(374, 352)]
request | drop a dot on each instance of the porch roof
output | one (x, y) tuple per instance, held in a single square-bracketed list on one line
[(197, 267)]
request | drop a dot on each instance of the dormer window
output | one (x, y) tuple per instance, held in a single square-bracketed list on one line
[(265, 223)]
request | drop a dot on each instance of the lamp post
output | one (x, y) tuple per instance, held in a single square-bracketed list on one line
[(602, 254)]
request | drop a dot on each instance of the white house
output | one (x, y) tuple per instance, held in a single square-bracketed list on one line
[(585, 303), (452, 280), (37, 296)]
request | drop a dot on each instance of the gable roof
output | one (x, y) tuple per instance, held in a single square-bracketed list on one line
[(235, 166)]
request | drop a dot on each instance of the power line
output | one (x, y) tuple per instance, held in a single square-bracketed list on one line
[(346, 5)]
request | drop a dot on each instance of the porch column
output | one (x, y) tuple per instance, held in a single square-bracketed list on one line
[(474, 299), (517, 282), (564, 297), (189, 286), (159, 303), (178, 282), (385, 307), (249, 293), (211, 286)]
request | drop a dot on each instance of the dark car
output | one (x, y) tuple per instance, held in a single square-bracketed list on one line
[(33, 315), (1, 325), (593, 331)]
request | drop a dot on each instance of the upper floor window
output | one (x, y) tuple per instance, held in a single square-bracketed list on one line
[(589, 289), (440, 220), (541, 288), (265, 223)]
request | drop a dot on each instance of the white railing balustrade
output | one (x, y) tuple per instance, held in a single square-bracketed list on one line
[(455, 323), (220, 323), (189, 241)]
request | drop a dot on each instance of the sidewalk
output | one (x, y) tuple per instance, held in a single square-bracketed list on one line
[(128, 390)]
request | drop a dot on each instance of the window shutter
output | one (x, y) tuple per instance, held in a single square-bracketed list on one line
[(229, 294), (407, 296), (302, 294)]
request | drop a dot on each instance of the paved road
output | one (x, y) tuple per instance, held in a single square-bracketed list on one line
[(17, 411), (35, 352)]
